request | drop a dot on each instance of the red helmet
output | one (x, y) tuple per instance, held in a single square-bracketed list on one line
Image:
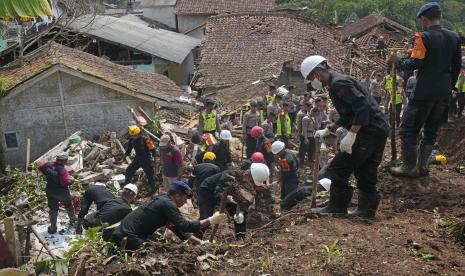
[(256, 132), (257, 157)]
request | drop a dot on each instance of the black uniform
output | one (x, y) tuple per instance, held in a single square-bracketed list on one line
[(295, 197), (97, 194), (264, 146), (210, 194), (200, 173), (140, 225), (438, 71), (112, 212), (289, 173), (57, 186), (223, 155), (144, 158), (357, 107)]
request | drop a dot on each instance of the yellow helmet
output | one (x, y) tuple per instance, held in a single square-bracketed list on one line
[(441, 159), (134, 130), (209, 156)]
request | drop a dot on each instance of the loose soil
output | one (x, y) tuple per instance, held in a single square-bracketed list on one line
[(408, 237)]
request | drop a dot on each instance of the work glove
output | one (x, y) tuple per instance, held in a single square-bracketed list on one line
[(217, 218), (348, 141), (322, 133), (239, 218)]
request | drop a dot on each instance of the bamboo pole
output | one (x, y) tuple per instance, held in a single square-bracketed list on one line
[(393, 112)]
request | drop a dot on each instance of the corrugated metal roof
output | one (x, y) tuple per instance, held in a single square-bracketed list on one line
[(157, 3), (164, 44)]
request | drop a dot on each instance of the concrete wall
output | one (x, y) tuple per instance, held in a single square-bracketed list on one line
[(187, 23), (179, 73), (289, 77), (164, 15), (46, 116)]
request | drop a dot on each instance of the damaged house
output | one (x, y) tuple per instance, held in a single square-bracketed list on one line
[(250, 47), (60, 90), (190, 16), (361, 38)]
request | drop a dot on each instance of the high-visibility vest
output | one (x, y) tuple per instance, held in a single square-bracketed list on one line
[(261, 118), (288, 126), (209, 122), (458, 83), (269, 98), (388, 84)]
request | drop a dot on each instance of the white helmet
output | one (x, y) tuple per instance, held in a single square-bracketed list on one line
[(277, 147), (260, 173), (131, 187), (225, 135), (309, 64)]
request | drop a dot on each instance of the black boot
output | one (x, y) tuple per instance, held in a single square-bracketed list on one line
[(423, 159), (53, 216), (339, 200), (409, 163), (79, 226), (72, 217), (367, 205)]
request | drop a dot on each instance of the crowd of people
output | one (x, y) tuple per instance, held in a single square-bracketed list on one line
[(339, 116)]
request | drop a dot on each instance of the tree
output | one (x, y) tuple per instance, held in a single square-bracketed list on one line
[(66, 12)]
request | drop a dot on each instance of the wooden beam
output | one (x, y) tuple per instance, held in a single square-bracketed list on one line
[(10, 237), (28, 154)]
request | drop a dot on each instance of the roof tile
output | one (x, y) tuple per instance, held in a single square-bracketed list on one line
[(212, 7)]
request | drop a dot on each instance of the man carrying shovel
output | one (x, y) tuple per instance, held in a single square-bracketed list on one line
[(361, 149)]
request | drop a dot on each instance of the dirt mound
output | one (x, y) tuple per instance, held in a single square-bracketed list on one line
[(451, 141)]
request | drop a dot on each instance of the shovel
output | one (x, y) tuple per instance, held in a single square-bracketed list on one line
[(316, 170), (222, 209)]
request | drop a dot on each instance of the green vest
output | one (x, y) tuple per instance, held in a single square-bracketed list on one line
[(458, 83), (209, 122), (388, 84), (288, 126), (399, 96), (269, 98), (261, 117)]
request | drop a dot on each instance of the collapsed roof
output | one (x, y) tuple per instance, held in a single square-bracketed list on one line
[(257, 46), (148, 86)]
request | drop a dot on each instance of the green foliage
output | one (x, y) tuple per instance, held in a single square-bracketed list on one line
[(92, 238), (402, 11), (5, 84), (332, 251), (32, 184), (424, 254), (57, 267)]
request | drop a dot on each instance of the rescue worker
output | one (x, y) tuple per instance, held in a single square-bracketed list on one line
[(460, 87), (376, 88), (222, 150), (305, 108), (201, 171), (284, 125), (97, 194), (399, 100), (145, 156), (113, 211), (162, 211), (172, 162), (292, 99), (274, 106), (307, 141), (270, 97), (289, 168), (411, 83), (212, 188), (387, 84), (250, 120), (268, 125), (209, 121), (263, 146), (362, 148), (261, 111), (437, 56), (58, 180)]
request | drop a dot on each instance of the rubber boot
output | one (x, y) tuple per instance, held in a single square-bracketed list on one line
[(339, 200), (423, 159), (367, 205), (72, 217), (79, 226), (409, 164), (53, 216)]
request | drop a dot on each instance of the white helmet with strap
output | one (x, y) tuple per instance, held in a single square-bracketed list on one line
[(309, 64)]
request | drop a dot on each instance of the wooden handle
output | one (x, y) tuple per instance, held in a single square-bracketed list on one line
[(316, 170), (222, 208)]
